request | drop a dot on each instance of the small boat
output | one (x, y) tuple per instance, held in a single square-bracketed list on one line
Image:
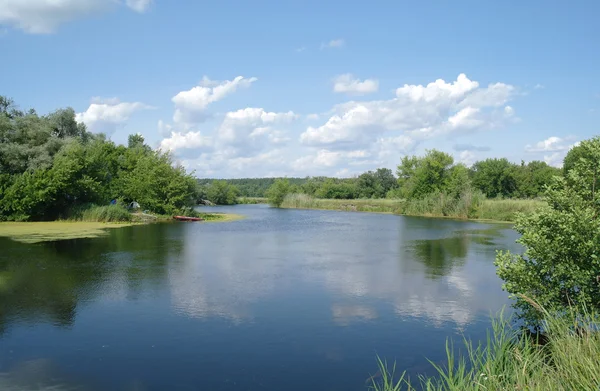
[(187, 218)]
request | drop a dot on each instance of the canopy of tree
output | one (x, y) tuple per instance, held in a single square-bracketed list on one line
[(560, 269), (51, 164)]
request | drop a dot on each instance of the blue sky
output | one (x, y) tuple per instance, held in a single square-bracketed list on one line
[(263, 88)]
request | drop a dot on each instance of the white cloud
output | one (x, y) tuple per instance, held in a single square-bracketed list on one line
[(418, 112), (45, 16), (551, 144), (139, 5), (468, 158), (190, 105), (554, 148), (350, 138), (185, 143), (106, 115), (334, 43), (249, 130), (349, 85)]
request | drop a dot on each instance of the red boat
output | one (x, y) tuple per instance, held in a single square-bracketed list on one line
[(187, 218)]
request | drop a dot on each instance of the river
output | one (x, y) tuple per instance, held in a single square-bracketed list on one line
[(282, 300)]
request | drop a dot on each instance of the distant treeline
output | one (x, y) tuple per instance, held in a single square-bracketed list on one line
[(415, 177), (52, 167)]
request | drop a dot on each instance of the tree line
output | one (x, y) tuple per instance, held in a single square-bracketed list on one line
[(415, 178), (51, 165)]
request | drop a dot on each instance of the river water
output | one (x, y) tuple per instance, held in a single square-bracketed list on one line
[(283, 300)]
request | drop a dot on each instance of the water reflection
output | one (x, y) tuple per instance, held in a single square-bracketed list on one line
[(46, 282), (306, 297)]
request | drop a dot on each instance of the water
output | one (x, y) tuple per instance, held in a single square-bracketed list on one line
[(284, 300)]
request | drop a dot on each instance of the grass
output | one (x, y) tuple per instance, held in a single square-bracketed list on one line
[(105, 214), (512, 360), (220, 217), (56, 230), (303, 201), (504, 210), (252, 200), (469, 206)]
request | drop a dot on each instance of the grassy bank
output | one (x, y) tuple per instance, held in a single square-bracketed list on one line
[(220, 217), (303, 201), (252, 200), (511, 360), (468, 207)]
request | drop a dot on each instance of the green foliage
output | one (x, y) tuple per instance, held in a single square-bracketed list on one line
[(375, 184), (336, 189), (561, 264), (222, 193), (104, 214), (495, 177), (421, 176), (252, 187), (277, 192), (51, 164)]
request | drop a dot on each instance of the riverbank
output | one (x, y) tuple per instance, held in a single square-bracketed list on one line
[(565, 357), (45, 231), (488, 209)]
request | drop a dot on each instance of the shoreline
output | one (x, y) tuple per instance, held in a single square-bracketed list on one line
[(427, 216), (47, 231)]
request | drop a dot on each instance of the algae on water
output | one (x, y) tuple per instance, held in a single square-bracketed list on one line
[(56, 230)]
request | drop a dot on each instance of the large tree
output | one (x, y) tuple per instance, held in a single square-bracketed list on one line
[(560, 268)]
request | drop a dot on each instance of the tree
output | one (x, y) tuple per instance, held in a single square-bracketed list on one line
[(561, 264), (222, 193), (277, 192), (375, 184), (421, 176), (495, 177)]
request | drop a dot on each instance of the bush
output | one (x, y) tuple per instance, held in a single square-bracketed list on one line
[(277, 192), (561, 264)]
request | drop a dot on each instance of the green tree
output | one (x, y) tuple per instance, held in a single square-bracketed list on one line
[(222, 193), (495, 177), (277, 192), (561, 264), (421, 176)]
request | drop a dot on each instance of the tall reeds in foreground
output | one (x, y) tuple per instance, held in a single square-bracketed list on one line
[(565, 357)]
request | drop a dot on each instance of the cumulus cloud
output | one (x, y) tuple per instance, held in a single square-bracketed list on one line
[(45, 16), (350, 138), (252, 129), (350, 85), (186, 144), (334, 43), (554, 149), (418, 112), (107, 115), (551, 144), (190, 105)]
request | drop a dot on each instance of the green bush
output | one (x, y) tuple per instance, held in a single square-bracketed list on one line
[(561, 265)]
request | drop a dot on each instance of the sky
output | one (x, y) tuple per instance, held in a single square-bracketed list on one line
[(286, 88)]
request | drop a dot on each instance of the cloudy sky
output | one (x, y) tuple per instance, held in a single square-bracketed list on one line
[(273, 88)]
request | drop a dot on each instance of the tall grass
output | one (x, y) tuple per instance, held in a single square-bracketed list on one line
[(303, 201), (569, 359), (469, 205), (104, 214), (505, 210)]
